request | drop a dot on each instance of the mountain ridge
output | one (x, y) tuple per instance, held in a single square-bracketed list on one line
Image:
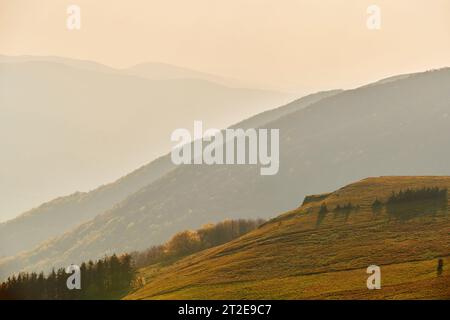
[(83, 206), (77, 114)]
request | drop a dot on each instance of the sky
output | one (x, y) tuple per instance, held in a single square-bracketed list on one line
[(292, 45)]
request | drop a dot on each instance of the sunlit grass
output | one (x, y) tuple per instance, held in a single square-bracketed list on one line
[(292, 257)]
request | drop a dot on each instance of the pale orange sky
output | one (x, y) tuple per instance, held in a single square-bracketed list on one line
[(301, 45)]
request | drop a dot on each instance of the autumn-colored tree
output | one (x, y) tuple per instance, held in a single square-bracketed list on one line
[(188, 242)]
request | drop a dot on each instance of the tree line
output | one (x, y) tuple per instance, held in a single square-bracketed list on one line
[(426, 193), (188, 242), (409, 195), (106, 278)]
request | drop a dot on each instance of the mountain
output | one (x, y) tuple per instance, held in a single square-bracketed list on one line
[(397, 127), (147, 70), (68, 62), (304, 254), (56, 217), (70, 125), (169, 72), (60, 215)]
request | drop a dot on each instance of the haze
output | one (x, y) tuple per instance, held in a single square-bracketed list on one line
[(293, 46)]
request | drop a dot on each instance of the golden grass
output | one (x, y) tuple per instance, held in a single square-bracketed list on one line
[(292, 257)]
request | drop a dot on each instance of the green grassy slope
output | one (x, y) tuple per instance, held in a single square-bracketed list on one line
[(301, 256)]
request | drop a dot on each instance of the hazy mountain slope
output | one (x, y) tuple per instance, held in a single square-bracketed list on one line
[(263, 118), (148, 70), (396, 128), (57, 216), (294, 257), (74, 63), (152, 70), (33, 227), (28, 230), (166, 71), (68, 126)]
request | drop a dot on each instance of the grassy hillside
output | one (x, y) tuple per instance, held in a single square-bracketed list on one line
[(305, 254)]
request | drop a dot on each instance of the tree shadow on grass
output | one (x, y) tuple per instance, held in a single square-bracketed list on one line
[(410, 210)]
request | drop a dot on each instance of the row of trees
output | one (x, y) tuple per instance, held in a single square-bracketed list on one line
[(104, 279), (410, 195), (345, 208), (434, 193), (188, 242), (339, 208)]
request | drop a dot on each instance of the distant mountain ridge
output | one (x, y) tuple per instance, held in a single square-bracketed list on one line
[(70, 125), (147, 70), (58, 216), (33, 227), (167, 71)]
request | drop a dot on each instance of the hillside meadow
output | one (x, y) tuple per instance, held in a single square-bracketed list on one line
[(311, 254)]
